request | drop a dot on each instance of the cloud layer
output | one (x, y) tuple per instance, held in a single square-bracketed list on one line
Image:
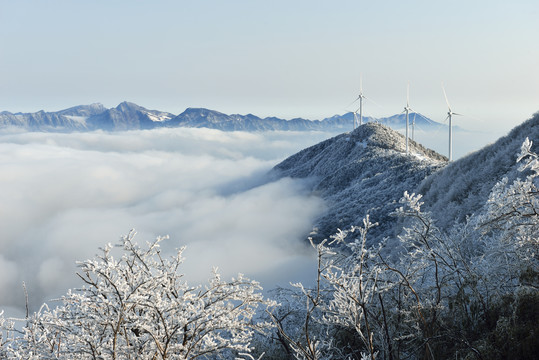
[(65, 195)]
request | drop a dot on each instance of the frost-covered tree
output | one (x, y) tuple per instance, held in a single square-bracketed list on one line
[(512, 215), (138, 306), (308, 324), (354, 278), (437, 284), (303, 340), (471, 291)]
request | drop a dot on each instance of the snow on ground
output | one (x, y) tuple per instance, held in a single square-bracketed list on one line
[(78, 119), (159, 117)]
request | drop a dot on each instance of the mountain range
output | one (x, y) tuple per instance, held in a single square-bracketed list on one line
[(130, 116), (365, 172)]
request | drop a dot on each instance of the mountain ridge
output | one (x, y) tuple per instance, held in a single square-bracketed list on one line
[(463, 186), (130, 116), (364, 172)]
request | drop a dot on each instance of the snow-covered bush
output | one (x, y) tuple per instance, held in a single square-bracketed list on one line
[(139, 307)]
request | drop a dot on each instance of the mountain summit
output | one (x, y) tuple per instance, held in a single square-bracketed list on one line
[(359, 173), (128, 116)]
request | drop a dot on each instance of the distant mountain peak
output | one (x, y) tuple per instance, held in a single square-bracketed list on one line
[(84, 110), (203, 111), (126, 105)]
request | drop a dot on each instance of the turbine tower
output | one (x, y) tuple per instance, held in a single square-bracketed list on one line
[(407, 111), (450, 114), (355, 117), (413, 126)]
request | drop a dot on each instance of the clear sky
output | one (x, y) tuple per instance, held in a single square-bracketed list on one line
[(275, 58)]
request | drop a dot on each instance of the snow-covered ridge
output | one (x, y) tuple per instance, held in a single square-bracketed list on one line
[(359, 173), (79, 119), (159, 117), (462, 188)]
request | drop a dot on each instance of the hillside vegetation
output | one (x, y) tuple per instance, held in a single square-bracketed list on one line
[(462, 187)]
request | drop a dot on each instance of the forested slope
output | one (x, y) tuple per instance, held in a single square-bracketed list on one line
[(463, 186)]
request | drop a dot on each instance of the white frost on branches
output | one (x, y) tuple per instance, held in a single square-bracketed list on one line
[(429, 294), (423, 295), (513, 210), (139, 307)]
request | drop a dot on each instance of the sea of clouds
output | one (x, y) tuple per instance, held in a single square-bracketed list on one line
[(65, 195)]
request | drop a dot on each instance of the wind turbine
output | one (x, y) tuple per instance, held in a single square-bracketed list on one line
[(407, 111), (360, 98), (450, 114)]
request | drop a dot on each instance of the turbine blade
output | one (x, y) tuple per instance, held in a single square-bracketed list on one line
[(408, 95), (445, 95), (371, 100), (456, 114), (353, 101)]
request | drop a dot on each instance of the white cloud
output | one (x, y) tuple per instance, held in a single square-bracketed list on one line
[(8, 273), (65, 195)]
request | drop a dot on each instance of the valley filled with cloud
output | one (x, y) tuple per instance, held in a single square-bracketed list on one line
[(66, 195)]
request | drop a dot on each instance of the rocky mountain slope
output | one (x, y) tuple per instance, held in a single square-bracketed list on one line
[(359, 173)]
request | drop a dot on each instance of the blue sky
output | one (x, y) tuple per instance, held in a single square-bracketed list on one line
[(281, 58)]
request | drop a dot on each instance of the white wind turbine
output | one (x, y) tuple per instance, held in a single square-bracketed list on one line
[(450, 114), (360, 98), (407, 110)]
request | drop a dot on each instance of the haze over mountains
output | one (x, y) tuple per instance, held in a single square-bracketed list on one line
[(129, 116)]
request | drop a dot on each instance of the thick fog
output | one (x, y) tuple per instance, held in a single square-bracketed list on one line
[(66, 195)]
